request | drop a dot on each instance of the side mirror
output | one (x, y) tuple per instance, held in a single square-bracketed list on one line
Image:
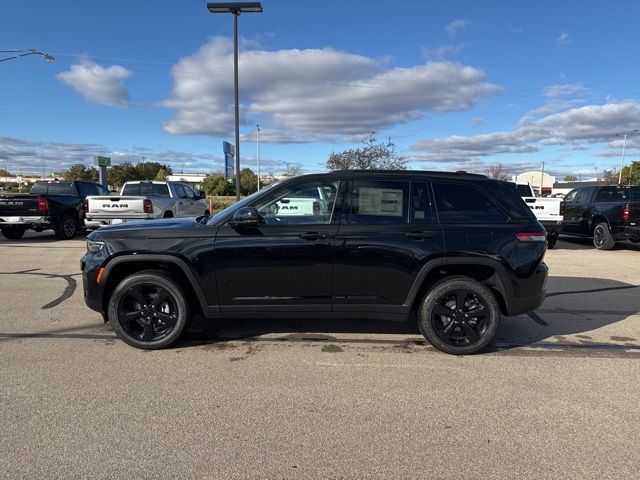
[(245, 217), (200, 194)]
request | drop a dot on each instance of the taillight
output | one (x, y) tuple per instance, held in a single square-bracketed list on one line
[(148, 206), (531, 236), (562, 208), (625, 214), (85, 205), (43, 204)]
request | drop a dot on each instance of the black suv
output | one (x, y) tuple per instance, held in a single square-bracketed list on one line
[(456, 249)]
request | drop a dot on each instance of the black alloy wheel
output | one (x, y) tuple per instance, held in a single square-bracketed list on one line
[(13, 233), (67, 226), (602, 238), (459, 315), (148, 310)]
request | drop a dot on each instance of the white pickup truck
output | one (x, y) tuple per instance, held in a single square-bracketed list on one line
[(146, 200), (548, 211)]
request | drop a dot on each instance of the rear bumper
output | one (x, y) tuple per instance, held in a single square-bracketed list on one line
[(537, 283), (553, 227), (26, 221), (626, 232)]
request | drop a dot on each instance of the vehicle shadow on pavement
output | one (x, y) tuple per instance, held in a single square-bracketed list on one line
[(37, 238), (578, 243), (574, 308)]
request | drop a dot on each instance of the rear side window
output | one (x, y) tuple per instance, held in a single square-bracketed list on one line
[(421, 211), (379, 202), (146, 189), (59, 188), (459, 203)]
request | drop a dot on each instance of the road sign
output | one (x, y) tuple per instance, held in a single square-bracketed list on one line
[(102, 161), (229, 155)]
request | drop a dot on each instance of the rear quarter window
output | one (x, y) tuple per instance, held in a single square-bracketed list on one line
[(464, 203), (60, 188)]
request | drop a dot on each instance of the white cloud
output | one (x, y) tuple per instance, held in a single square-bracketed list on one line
[(575, 127), (564, 39), (104, 85), (554, 92), (441, 51), (456, 25), (314, 93)]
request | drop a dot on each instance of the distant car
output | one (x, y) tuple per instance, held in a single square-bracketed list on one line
[(455, 250), (147, 200), (53, 204), (606, 213), (547, 210)]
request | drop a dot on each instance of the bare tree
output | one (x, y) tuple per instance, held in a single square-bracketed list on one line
[(294, 169), (608, 177), (372, 156), (498, 172)]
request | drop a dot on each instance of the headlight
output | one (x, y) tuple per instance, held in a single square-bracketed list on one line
[(94, 246)]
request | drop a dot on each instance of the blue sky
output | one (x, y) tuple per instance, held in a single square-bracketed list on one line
[(456, 85)]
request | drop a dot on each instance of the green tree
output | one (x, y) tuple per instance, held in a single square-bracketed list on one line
[(216, 185), (570, 178), (121, 173), (161, 175), (248, 181), (5, 173), (80, 172), (372, 156), (149, 170), (631, 172)]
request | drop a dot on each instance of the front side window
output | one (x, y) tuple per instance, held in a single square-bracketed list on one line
[(458, 203), (571, 196), (377, 202), (583, 195), (310, 203)]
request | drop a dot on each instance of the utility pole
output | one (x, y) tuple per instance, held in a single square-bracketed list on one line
[(258, 152)]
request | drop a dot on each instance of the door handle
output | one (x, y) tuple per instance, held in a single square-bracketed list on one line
[(419, 235), (312, 236)]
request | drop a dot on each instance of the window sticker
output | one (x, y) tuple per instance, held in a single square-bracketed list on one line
[(381, 201)]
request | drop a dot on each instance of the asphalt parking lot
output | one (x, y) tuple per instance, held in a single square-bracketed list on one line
[(555, 397)]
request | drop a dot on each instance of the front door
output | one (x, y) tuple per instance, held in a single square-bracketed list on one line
[(388, 235), (576, 211), (284, 264)]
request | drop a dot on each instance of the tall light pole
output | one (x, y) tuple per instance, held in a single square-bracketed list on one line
[(542, 179), (258, 152), (624, 146), (24, 53), (236, 8)]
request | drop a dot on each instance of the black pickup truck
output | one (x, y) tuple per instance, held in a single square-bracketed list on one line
[(57, 205), (607, 213)]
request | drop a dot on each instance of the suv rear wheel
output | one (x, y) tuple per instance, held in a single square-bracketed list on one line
[(148, 310), (459, 315)]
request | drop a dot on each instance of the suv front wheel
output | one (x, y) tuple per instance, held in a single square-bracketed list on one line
[(459, 315), (148, 310)]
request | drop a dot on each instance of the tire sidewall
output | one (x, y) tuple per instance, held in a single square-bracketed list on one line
[(607, 242), (60, 230), (154, 279), (441, 288)]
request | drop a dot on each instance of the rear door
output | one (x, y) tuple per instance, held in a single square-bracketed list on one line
[(388, 234)]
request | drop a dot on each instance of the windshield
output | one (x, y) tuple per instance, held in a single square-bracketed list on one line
[(232, 208)]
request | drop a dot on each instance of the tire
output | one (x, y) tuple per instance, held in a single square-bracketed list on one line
[(552, 239), (168, 214), (602, 238), (460, 333), (67, 227), (152, 325), (13, 233)]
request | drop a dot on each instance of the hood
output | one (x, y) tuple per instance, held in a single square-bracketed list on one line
[(162, 228)]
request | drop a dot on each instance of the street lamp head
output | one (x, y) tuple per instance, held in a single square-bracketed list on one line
[(48, 58), (235, 7)]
